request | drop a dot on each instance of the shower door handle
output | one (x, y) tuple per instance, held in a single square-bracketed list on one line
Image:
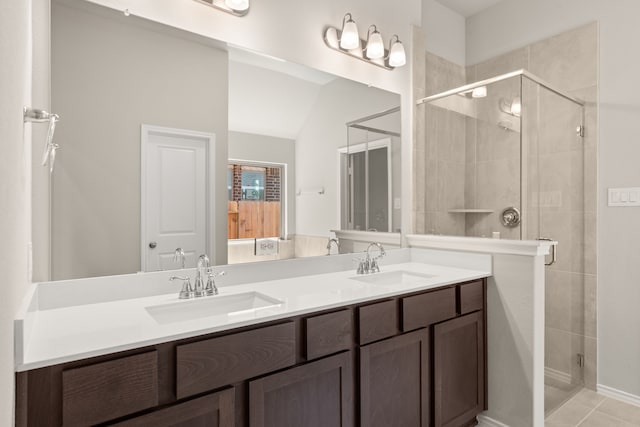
[(553, 250)]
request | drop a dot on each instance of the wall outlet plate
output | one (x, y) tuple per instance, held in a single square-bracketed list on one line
[(267, 246)]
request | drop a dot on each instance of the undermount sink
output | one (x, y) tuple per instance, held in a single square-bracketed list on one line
[(246, 303), (398, 277)]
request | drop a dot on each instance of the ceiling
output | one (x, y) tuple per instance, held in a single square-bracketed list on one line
[(468, 8)]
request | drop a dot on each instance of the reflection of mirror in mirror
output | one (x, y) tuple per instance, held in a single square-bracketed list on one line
[(206, 106)]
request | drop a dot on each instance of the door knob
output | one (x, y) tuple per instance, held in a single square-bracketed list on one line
[(153, 245)]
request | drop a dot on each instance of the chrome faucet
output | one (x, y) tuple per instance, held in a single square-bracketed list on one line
[(202, 269), (187, 290), (370, 264), (373, 267), (200, 288), (333, 241), (178, 255)]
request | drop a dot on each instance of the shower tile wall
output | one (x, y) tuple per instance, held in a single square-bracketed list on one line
[(568, 61), (450, 174), (492, 171), (439, 155)]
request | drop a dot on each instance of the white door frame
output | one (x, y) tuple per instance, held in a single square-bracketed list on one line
[(210, 211), (365, 146)]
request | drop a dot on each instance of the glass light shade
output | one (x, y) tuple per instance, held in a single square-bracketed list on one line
[(479, 92), (375, 46), (397, 57), (237, 4), (350, 39), (516, 106)]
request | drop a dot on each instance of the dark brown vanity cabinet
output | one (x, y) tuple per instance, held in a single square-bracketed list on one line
[(213, 410), (459, 367), (317, 394), (394, 381), (416, 359)]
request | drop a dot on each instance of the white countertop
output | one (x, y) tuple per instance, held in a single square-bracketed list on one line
[(56, 335)]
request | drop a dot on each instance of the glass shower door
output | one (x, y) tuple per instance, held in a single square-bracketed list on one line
[(553, 164)]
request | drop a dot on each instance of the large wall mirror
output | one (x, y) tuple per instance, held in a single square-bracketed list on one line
[(166, 132)]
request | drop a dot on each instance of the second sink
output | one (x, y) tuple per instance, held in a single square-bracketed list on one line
[(236, 304)]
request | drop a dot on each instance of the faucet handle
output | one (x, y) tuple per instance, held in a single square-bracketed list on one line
[(211, 288), (363, 265), (374, 267), (187, 290)]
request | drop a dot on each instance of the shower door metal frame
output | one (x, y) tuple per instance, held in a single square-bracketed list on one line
[(521, 72), (348, 200)]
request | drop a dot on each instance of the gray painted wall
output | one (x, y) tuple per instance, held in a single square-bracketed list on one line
[(317, 146), (618, 228), (110, 74), (249, 146), (15, 182)]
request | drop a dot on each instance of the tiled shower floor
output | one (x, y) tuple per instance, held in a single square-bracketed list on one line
[(587, 408)]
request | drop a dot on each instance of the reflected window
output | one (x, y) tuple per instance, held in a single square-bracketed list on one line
[(255, 206)]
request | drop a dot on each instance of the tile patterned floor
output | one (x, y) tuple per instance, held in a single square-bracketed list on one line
[(590, 409), (556, 393)]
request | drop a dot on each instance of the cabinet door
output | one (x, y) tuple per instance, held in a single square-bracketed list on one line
[(458, 347), (394, 381), (318, 394), (213, 410)]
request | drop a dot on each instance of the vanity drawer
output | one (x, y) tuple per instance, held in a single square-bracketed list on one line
[(328, 333), (471, 297), (216, 409), (104, 391), (377, 321), (205, 365), (426, 309)]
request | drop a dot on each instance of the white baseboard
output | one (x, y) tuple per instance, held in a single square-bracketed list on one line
[(618, 394), (484, 421), (557, 375)]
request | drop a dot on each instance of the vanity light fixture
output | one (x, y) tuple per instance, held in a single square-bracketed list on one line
[(234, 7), (479, 92), (513, 107), (375, 46), (397, 56), (350, 38), (348, 41)]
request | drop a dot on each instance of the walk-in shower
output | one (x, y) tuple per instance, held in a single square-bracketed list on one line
[(370, 166), (504, 158)]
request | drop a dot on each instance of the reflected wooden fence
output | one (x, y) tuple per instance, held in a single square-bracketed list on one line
[(252, 219)]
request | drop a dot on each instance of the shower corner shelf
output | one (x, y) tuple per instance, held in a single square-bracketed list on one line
[(473, 211)]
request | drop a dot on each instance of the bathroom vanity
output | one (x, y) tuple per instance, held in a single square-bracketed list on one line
[(406, 346)]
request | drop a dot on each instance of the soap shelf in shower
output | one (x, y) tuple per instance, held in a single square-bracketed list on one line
[(474, 211)]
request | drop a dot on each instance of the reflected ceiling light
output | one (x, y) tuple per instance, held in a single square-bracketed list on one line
[(375, 46), (348, 41), (234, 7), (516, 106), (479, 92), (350, 38), (238, 5), (513, 107), (397, 56)]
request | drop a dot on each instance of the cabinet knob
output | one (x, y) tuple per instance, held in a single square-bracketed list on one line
[(153, 245)]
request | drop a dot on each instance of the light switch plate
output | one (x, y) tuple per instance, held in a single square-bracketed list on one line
[(629, 196)]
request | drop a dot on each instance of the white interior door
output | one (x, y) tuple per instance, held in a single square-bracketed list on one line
[(174, 196)]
